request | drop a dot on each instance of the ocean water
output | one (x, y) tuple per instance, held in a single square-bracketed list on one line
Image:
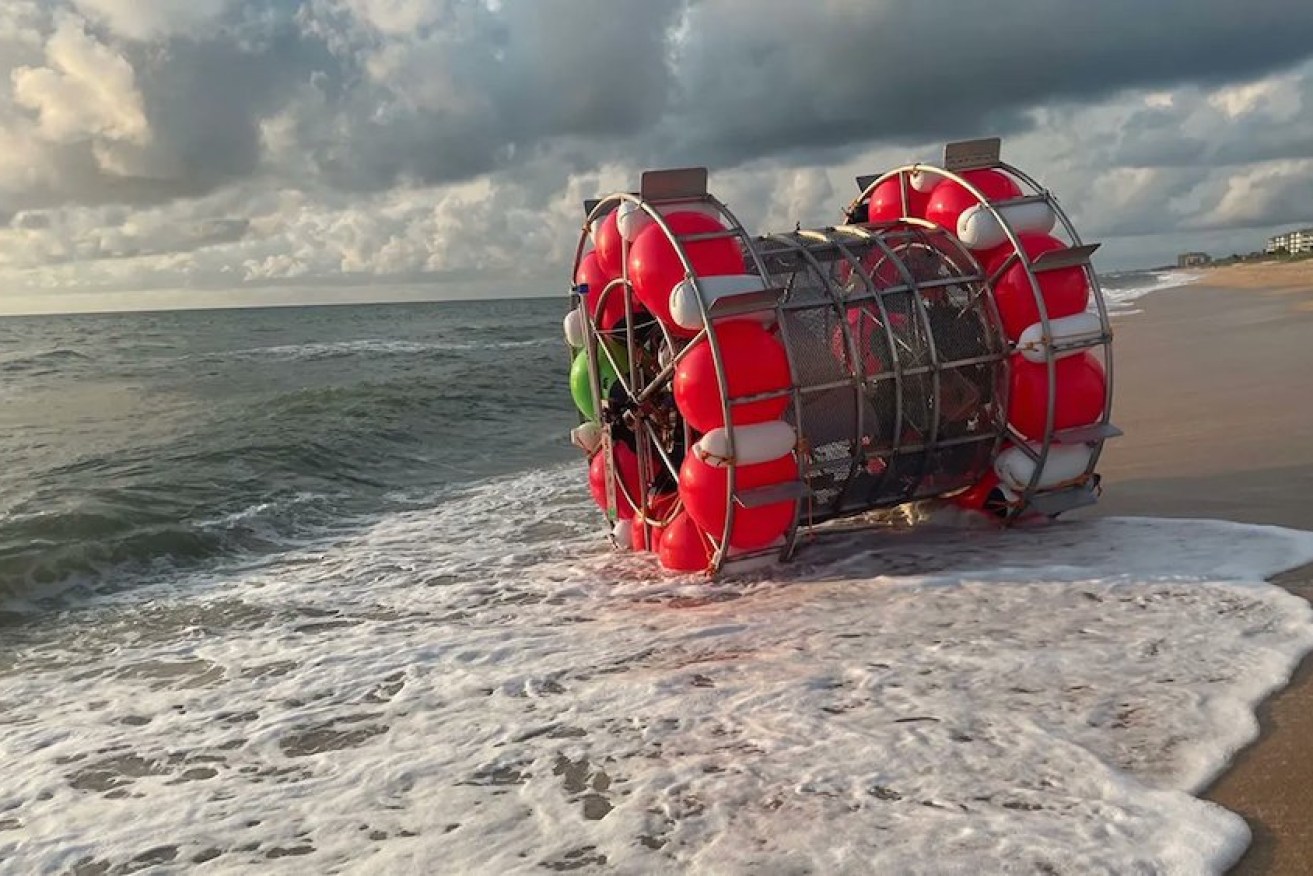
[(138, 446), (321, 590), (1121, 289)]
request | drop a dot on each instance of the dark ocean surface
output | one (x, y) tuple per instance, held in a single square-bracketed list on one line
[(136, 445)]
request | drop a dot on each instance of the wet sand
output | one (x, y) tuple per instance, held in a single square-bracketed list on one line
[(1214, 389)]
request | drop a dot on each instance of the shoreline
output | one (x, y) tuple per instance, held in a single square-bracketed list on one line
[(1208, 391)]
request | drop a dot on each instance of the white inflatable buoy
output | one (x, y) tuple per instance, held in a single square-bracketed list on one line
[(665, 354), (979, 229), (631, 219), (924, 180), (1078, 326), (574, 329), (1065, 462), (760, 442), (684, 309), (623, 533), (587, 436)]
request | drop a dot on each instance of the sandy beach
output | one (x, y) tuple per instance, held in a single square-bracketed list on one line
[(1211, 391)]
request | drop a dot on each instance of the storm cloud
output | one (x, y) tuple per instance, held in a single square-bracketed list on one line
[(762, 76), (249, 141)]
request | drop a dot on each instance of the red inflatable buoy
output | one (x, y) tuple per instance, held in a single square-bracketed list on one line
[(982, 497), (643, 537), (627, 471), (647, 531), (755, 362), (684, 547), (1081, 388), (655, 268), (886, 202), (592, 273), (608, 245), (949, 199), (704, 489), (1066, 291)]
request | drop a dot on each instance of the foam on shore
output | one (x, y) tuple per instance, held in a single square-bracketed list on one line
[(480, 688)]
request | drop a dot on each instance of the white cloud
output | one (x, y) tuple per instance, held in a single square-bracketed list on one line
[(151, 19), (1278, 97), (398, 16), (86, 91), (23, 164), (1270, 193), (20, 25), (212, 143)]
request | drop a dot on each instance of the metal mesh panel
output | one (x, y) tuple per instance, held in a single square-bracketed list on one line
[(968, 400), (895, 352), (816, 345), (794, 272)]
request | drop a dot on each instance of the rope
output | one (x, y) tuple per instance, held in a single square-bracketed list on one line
[(713, 459)]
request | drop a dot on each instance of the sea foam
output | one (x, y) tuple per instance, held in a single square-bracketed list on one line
[(1122, 289), (481, 687)]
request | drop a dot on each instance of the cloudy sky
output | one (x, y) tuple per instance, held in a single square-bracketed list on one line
[(196, 152)]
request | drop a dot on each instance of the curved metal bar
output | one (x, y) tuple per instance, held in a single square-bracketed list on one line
[(896, 364), (854, 357), (592, 345), (643, 436), (1013, 238), (996, 334), (998, 340), (620, 373), (792, 243), (931, 348), (717, 358), (1100, 304), (791, 534), (640, 426)]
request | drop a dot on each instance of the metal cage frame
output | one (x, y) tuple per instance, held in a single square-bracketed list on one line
[(663, 189), (985, 154)]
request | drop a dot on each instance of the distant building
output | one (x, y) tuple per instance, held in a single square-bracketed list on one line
[(1291, 242), (1193, 259)]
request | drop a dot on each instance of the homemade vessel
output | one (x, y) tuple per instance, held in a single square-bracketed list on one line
[(948, 340)]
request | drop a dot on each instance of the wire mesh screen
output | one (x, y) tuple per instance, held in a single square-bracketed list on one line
[(898, 360)]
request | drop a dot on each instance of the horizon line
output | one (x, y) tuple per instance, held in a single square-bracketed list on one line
[(210, 307)]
